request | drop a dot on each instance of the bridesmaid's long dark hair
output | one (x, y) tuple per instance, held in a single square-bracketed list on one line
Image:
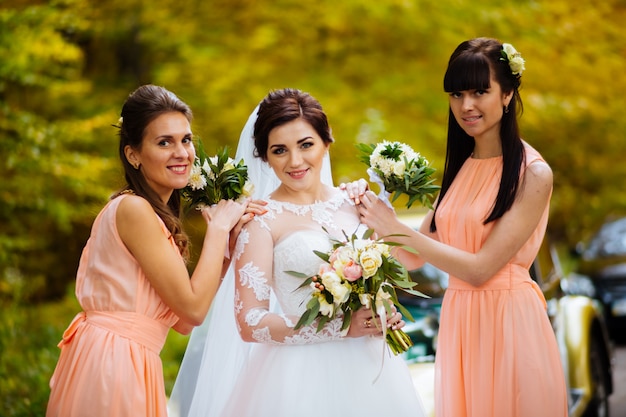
[(470, 67)]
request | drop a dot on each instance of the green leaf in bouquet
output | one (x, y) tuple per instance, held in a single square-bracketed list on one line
[(347, 319), (322, 322), (368, 233), (323, 255), (313, 308), (366, 150)]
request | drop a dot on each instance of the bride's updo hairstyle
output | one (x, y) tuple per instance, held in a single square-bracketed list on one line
[(282, 106), (142, 106), (471, 67)]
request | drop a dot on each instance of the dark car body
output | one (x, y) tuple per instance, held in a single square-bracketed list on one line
[(603, 261)]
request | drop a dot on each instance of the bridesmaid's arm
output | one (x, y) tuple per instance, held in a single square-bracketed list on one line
[(509, 233), (183, 327)]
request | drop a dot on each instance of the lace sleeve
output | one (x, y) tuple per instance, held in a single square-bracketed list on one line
[(253, 275)]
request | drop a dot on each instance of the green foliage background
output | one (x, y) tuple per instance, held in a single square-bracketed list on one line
[(66, 67)]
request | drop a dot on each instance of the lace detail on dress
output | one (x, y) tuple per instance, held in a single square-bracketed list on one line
[(309, 334), (254, 316), (263, 336), (238, 302), (250, 276), (242, 241), (321, 211)]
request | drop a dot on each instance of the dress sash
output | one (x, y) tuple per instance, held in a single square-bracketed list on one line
[(136, 327)]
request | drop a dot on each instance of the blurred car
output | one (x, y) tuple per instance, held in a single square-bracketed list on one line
[(578, 323), (602, 273)]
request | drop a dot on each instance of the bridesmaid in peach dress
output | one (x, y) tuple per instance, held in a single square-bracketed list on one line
[(132, 281), (497, 354)]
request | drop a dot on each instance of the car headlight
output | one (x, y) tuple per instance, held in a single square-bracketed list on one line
[(577, 284)]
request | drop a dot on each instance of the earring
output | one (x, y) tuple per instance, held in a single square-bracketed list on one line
[(506, 108), (136, 165)]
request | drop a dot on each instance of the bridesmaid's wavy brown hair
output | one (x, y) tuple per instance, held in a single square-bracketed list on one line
[(142, 106)]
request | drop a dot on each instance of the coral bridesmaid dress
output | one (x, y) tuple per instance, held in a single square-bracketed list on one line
[(109, 363), (497, 354)]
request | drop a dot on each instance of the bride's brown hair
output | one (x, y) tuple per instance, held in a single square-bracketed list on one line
[(282, 106)]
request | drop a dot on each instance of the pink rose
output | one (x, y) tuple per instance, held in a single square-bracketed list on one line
[(352, 271)]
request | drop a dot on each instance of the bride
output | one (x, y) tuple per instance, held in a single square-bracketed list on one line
[(278, 371)]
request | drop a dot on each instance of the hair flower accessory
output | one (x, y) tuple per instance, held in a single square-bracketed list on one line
[(514, 58)]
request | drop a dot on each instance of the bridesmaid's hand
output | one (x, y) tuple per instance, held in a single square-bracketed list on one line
[(355, 189), (254, 208), (374, 213)]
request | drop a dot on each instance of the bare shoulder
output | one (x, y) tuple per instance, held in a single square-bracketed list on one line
[(135, 214), (539, 173), (133, 207)]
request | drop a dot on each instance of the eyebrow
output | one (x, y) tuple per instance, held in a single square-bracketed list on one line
[(169, 136), (299, 142)]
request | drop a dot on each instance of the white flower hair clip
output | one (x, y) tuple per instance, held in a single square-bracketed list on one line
[(514, 59)]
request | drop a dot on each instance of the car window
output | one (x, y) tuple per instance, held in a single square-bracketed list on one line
[(609, 241)]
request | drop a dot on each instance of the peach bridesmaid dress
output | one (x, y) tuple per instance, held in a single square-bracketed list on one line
[(497, 354), (109, 363)]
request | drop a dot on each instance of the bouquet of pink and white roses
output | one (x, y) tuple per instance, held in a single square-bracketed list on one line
[(216, 178), (398, 169), (359, 272)]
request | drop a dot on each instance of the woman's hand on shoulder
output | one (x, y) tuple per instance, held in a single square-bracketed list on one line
[(355, 189), (225, 214), (254, 208)]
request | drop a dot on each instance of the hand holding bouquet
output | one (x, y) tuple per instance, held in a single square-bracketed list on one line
[(216, 178), (398, 169), (359, 272)]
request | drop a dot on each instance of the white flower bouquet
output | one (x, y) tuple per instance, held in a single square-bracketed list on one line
[(359, 272), (398, 169), (216, 178)]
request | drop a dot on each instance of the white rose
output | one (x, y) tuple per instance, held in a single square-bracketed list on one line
[(330, 278), (366, 300), (517, 65), (370, 262), (325, 308), (516, 62), (340, 292)]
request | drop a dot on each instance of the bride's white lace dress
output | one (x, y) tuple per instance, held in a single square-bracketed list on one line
[(305, 373)]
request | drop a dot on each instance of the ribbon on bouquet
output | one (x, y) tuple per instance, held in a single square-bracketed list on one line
[(382, 314), (383, 194)]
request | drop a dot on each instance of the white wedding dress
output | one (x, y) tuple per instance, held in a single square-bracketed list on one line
[(286, 373), (306, 373)]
